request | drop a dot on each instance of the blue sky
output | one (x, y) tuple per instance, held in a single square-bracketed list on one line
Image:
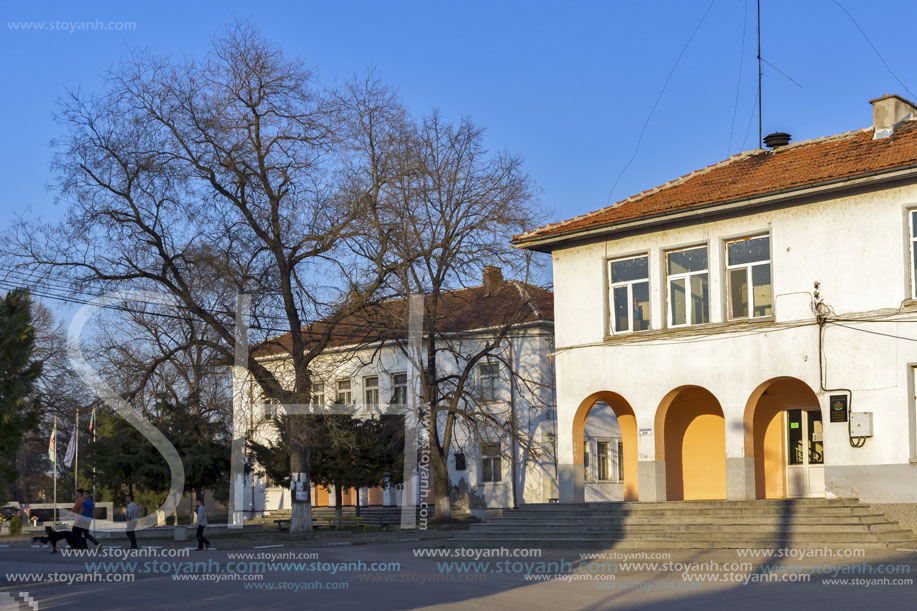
[(568, 86)]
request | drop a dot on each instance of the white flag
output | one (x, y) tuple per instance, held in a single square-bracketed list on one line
[(71, 448), (52, 447)]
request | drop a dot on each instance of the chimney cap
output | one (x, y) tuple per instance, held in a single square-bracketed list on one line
[(891, 95), (888, 112), (776, 140)]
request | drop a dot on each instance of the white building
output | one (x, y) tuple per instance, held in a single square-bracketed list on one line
[(372, 375), (753, 324)]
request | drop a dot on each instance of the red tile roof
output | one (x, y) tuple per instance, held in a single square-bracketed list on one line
[(466, 309), (755, 173)]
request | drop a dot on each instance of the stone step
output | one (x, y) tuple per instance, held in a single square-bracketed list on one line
[(748, 536), (635, 505), (565, 521), (647, 543), (636, 529), (698, 511)]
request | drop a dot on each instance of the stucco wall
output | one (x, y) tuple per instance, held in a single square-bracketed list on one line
[(855, 246)]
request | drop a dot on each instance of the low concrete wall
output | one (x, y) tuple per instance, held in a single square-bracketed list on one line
[(903, 513)]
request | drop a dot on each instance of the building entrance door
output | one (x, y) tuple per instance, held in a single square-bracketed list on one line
[(805, 465)]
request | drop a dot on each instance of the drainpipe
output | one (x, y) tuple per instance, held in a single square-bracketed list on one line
[(512, 411)]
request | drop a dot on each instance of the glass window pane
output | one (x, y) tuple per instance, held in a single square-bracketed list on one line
[(620, 308), (677, 302), (914, 224), (761, 283), (699, 299), (641, 304), (816, 438), (630, 269), (749, 251), (738, 292), (693, 260), (794, 434)]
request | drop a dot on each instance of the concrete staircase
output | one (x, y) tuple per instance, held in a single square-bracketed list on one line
[(692, 525)]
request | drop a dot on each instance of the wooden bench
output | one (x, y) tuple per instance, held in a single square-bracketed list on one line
[(280, 524), (354, 521)]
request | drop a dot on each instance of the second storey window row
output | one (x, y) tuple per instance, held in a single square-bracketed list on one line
[(746, 276)]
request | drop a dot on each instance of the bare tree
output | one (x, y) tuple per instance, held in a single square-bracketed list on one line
[(235, 174), (460, 204)]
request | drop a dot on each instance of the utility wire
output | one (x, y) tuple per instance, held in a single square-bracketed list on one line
[(882, 59), (735, 106), (658, 99)]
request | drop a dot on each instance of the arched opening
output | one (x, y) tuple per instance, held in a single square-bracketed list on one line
[(783, 434), (627, 422), (691, 440)]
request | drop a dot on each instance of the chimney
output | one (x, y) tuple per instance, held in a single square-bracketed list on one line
[(888, 112), (493, 278)]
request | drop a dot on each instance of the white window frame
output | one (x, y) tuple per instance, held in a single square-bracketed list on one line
[(493, 459), (630, 295), (490, 383), (748, 278), (686, 276), (349, 391), (912, 216), (396, 387), (317, 394), (370, 390)]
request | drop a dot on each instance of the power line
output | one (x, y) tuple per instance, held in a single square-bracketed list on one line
[(735, 107), (882, 59), (658, 99)]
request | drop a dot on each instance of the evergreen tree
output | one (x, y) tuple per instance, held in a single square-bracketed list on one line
[(18, 373)]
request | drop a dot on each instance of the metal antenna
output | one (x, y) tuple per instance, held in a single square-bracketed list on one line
[(760, 102)]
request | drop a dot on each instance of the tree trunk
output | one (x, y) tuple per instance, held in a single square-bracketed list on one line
[(301, 504), (440, 467), (357, 502), (338, 500)]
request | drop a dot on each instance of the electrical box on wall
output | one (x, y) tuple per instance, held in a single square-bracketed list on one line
[(861, 424)]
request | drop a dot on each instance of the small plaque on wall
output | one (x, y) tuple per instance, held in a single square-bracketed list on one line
[(838, 408)]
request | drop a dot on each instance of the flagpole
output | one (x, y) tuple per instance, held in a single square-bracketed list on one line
[(54, 437), (76, 455)]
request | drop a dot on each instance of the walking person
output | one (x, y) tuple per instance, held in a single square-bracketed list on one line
[(132, 514), (86, 510), (77, 510), (202, 542)]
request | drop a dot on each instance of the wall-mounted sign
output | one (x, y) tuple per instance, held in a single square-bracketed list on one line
[(645, 432), (837, 406)]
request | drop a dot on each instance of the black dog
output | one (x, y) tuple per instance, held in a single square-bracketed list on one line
[(53, 536)]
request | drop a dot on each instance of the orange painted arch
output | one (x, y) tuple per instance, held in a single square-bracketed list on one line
[(764, 430), (690, 436), (627, 421)]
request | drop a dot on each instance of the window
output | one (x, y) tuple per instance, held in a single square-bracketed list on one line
[(490, 380), (400, 389), (459, 461), (491, 468), (371, 390), (689, 297), (629, 295), (602, 460), (619, 460), (608, 464), (748, 278), (914, 254), (318, 393), (344, 396)]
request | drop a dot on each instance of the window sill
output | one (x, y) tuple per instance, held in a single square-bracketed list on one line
[(692, 330)]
